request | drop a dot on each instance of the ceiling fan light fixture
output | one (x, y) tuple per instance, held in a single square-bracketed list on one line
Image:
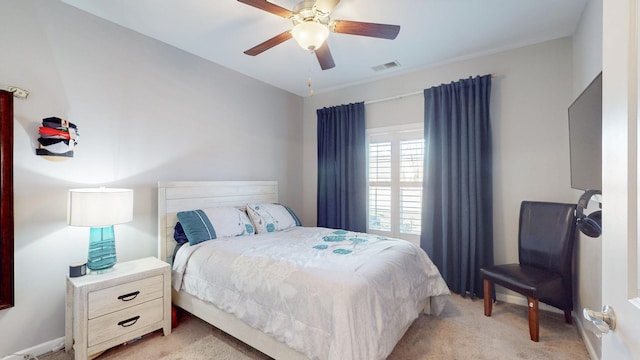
[(310, 35)]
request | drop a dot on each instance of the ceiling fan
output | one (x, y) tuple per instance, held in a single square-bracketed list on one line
[(312, 24)]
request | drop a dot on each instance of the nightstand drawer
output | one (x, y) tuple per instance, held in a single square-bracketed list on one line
[(108, 309), (125, 295), (116, 324)]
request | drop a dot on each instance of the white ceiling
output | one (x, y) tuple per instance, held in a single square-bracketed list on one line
[(432, 32)]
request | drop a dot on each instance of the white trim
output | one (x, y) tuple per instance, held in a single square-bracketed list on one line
[(419, 92), (394, 135), (521, 300), (38, 350), (585, 339), (401, 96), (395, 128)]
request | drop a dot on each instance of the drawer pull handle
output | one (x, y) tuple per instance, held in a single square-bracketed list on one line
[(129, 322), (129, 296)]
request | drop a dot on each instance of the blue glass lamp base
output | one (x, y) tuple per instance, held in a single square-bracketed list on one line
[(102, 249)]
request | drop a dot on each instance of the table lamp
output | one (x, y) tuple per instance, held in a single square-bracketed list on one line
[(100, 209)]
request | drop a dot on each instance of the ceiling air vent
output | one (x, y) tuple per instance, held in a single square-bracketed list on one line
[(388, 66)]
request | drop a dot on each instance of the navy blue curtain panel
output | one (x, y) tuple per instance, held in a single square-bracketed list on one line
[(342, 168), (457, 205)]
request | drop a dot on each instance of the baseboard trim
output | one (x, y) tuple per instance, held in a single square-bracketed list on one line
[(585, 339), (52, 345), (521, 300)]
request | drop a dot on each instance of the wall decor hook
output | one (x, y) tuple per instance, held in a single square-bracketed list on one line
[(18, 92)]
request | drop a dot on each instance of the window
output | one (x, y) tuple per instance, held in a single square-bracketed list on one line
[(395, 162)]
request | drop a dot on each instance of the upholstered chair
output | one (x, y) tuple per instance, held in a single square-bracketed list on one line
[(544, 272)]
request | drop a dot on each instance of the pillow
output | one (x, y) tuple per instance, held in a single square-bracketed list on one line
[(272, 217), (196, 226), (213, 223), (229, 221), (178, 234), (180, 237)]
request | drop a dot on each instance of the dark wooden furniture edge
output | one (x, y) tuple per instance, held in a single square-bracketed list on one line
[(7, 299)]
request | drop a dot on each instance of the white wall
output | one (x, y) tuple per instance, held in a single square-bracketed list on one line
[(587, 47), (587, 63), (529, 101), (146, 112)]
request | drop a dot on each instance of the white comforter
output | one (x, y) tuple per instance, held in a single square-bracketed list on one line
[(329, 294)]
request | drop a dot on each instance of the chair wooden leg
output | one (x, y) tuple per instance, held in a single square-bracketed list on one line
[(534, 323), (567, 316), (488, 298)]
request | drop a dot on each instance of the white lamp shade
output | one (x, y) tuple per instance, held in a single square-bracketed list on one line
[(99, 207), (310, 34)]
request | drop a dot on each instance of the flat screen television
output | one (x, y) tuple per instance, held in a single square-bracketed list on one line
[(585, 138)]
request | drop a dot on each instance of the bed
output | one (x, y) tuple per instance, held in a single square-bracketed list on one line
[(345, 307)]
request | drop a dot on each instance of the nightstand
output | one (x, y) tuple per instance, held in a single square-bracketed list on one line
[(105, 310)]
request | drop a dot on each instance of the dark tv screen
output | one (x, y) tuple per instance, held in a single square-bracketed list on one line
[(585, 138)]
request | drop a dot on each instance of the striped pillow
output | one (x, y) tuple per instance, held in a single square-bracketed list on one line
[(214, 223), (196, 226)]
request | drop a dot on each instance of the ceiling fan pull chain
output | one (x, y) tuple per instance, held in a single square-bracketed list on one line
[(310, 71), (310, 89)]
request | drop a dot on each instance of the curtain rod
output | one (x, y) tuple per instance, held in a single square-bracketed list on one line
[(401, 96)]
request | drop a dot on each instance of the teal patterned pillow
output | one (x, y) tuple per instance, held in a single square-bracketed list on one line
[(214, 223), (196, 226), (271, 217)]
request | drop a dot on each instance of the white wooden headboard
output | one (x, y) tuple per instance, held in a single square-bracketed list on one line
[(176, 196)]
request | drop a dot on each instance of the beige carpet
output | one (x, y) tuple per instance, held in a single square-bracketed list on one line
[(461, 332), (206, 348)]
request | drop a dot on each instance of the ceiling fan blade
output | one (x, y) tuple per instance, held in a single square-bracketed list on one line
[(383, 31), (326, 6), (264, 46), (324, 57), (268, 7)]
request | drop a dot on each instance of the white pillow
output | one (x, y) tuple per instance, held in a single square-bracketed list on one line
[(271, 217), (229, 221)]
